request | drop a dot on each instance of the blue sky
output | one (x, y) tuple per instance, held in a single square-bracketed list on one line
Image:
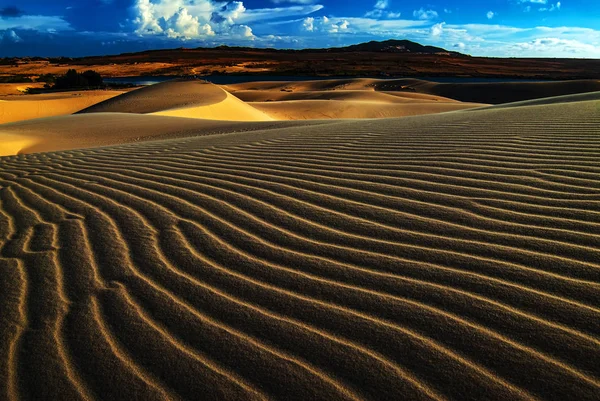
[(504, 28)]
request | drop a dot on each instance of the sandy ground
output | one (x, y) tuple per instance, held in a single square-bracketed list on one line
[(26, 107), (451, 256)]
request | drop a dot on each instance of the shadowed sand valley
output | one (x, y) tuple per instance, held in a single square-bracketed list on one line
[(282, 241)]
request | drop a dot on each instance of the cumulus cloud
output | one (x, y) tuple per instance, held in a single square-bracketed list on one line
[(380, 10), (242, 31), (381, 4), (183, 25), (200, 19), (437, 29), (309, 24), (490, 14), (325, 24), (10, 36), (425, 14)]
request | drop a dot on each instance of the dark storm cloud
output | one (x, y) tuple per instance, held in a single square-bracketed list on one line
[(10, 12)]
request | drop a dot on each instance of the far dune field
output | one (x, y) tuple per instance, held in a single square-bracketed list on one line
[(322, 240)]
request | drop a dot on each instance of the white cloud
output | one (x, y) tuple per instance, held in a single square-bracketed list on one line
[(260, 15), (507, 41), (35, 22), (425, 14), (360, 28), (557, 47), (242, 31), (490, 14), (553, 7), (309, 24), (177, 19), (182, 25), (10, 36), (374, 14), (437, 29), (380, 11), (381, 4), (325, 24)]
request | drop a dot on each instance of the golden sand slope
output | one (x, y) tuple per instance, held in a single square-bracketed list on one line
[(182, 98), (453, 256), (18, 108), (103, 129), (364, 95), (332, 109)]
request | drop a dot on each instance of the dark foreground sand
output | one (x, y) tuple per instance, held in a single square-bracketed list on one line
[(451, 256)]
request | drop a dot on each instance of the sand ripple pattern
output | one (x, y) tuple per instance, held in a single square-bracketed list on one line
[(447, 258)]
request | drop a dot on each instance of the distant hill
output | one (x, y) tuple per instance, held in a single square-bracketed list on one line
[(392, 46), (387, 46)]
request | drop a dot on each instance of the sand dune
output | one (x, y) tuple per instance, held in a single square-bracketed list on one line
[(198, 99), (19, 108), (338, 99), (490, 92), (450, 257), (182, 98)]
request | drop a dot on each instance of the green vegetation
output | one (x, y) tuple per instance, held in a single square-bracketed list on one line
[(70, 81), (15, 79), (49, 79), (75, 80)]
